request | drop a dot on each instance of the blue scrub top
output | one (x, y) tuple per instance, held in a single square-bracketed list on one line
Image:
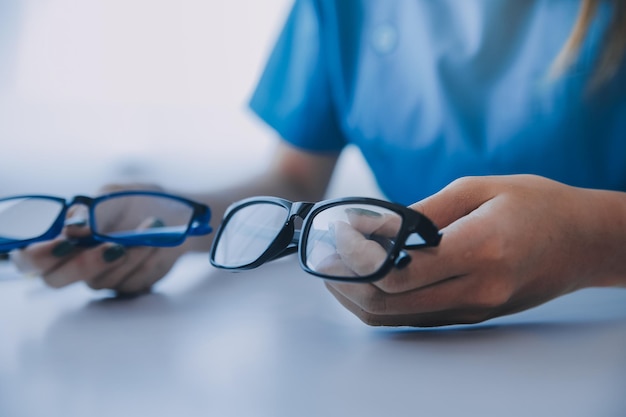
[(430, 91)]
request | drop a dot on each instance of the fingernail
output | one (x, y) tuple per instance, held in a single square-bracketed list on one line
[(157, 223), (363, 212), (76, 222), (5, 256), (124, 295), (63, 248), (113, 253)]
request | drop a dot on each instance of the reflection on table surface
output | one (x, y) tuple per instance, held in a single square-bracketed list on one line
[(273, 342)]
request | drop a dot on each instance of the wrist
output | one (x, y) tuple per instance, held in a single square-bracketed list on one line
[(609, 239)]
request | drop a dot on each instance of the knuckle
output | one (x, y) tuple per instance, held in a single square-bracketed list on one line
[(463, 183), (496, 288), (495, 248), (53, 283), (103, 280), (494, 294)]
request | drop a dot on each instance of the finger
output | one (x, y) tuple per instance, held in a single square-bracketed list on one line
[(370, 221), (458, 199), (150, 223), (460, 300), (359, 254), (77, 220), (113, 188), (432, 319), (121, 270), (39, 258), (147, 273), (84, 265), (333, 266), (131, 275)]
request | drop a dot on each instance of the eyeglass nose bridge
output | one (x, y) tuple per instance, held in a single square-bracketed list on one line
[(80, 199), (76, 201), (288, 238), (300, 209)]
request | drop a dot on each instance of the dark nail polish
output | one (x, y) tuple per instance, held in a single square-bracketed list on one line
[(157, 223), (62, 249), (123, 295), (4, 256), (113, 253)]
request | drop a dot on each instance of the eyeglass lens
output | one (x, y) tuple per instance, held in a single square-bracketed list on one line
[(248, 233), (350, 240), (153, 219), (27, 218)]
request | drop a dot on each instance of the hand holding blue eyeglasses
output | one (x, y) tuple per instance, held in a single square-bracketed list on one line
[(101, 231)]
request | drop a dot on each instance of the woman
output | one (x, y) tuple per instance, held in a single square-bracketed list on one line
[(503, 122)]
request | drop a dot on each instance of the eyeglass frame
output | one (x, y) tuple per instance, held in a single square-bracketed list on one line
[(198, 224), (289, 239)]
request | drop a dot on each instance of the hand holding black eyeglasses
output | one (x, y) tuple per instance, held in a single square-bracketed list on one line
[(510, 244)]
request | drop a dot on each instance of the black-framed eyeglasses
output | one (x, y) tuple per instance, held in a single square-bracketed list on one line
[(347, 239), (132, 218)]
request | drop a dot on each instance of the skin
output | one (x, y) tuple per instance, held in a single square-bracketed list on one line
[(354, 254), (509, 243)]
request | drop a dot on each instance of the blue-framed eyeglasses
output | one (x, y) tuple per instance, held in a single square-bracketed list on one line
[(348, 239), (132, 218)]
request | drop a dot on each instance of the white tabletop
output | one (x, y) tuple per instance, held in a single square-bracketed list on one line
[(274, 342)]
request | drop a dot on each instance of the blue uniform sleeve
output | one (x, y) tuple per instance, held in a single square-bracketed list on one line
[(293, 95)]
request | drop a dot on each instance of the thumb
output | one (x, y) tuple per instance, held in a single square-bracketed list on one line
[(456, 200)]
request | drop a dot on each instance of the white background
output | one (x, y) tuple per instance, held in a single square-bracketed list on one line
[(93, 91)]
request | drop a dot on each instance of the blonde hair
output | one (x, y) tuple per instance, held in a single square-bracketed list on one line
[(614, 47)]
